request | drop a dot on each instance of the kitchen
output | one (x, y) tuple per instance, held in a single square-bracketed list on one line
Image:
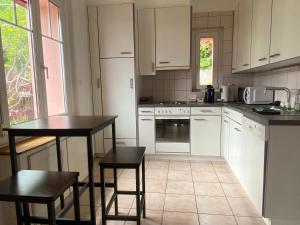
[(209, 89)]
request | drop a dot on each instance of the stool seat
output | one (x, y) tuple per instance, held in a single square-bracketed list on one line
[(36, 186), (123, 157)]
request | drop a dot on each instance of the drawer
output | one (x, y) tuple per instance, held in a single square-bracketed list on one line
[(209, 111), (232, 114), (146, 111)]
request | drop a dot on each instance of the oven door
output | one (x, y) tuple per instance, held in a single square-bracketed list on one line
[(172, 134)]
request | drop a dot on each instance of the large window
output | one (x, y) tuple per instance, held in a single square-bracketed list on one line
[(31, 60), (206, 57)]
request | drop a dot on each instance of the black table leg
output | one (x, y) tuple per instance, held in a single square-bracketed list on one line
[(113, 127), (51, 213), (116, 190), (76, 203), (103, 204), (26, 212), (59, 167), (144, 187), (91, 179), (138, 196)]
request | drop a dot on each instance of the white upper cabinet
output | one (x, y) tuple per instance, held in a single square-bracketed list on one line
[(285, 34), (146, 40), (173, 38), (244, 39), (235, 40), (261, 28), (116, 31)]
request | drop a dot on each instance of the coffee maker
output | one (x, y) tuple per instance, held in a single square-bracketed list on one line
[(209, 94)]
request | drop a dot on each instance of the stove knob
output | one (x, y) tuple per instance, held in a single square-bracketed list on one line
[(170, 111), (158, 111)]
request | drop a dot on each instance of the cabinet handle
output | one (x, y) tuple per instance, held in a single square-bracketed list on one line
[(275, 55), (238, 130), (146, 111), (263, 59), (225, 121), (146, 119), (200, 119), (125, 53), (46, 71), (225, 112), (164, 62), (131, 83), (206, 111), (98, 83), (246, 64), (120, 143), (153, 67)]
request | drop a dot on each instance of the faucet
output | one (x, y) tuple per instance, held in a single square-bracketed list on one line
[(288, 92)]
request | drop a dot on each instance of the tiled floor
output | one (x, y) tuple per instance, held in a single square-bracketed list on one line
[(184, 193)]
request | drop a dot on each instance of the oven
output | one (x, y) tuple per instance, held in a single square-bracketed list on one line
[(172, 133)]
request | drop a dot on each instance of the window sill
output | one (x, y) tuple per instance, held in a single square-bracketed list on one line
[(27, 145)]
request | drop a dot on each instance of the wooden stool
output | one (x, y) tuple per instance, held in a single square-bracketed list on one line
[(41, 187), (123, 158)]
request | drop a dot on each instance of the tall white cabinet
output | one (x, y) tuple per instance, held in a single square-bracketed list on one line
[(111, 28)]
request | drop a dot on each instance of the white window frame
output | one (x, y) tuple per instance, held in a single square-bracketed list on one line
[(217, 64), (39, 68)]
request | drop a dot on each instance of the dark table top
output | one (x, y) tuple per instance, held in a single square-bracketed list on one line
[(36, 186), (62, 126)]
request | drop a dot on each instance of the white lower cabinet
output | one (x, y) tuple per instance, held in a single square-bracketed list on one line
[(205, 135), (147, 133)]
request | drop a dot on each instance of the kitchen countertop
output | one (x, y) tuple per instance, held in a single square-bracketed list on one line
[(288, 119)]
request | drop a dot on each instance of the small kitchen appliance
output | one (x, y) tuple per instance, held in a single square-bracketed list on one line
[(258, 95), (209, 94)]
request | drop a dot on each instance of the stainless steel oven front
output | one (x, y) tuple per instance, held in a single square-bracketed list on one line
[(172, 134)]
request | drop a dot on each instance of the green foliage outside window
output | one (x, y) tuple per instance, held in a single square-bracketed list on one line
[(206, 53)]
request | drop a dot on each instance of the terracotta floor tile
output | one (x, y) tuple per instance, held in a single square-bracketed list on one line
[(180, 175), (216, 220), (180, 187), (127, 173), (156, 186), (233, 190), (158, 165), (213, 205), (208, 189), (180, 203), (202, 166), (84, 212), (152, 218), (242, 207), (180, 165), (157, 174), (227, 178), (176, 218), (249, 221), (154, 201), (85, 198), (126, 184), (205, 176)]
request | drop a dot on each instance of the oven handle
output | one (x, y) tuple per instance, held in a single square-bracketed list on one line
[(172, 117)]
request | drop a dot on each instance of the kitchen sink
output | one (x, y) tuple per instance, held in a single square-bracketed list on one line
[(275, 110)]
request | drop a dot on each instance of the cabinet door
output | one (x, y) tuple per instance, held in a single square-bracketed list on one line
[(244, 39), (173, 38), (146, 40), (205, 135), (116, 31), (118, 95), (285, 32), (261, 28), (235, 40), (225, 137), (147, 133)]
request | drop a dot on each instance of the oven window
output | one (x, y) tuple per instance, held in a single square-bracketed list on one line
[(172, 130)]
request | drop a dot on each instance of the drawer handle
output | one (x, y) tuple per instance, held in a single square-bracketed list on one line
[(206, 111), (246, 64), (275, 55), (147, 111), (238, 130), (226, 112), (120, 143), (147, 119), (164, 62), (200, 119), (263, 59), (125, 53), (226, 121)]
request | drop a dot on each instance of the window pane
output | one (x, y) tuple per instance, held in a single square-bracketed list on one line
[(206, 61), (23, 13), (54, 76), (45, 18), (7, 10), (54, 17), (19, 73)]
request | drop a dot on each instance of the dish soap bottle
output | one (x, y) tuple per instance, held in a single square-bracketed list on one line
[(297, 101)]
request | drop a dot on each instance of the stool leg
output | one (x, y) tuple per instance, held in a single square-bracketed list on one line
[(144, 187), (115, 190), (103, 204), (138, 201), (76, 203), (51, 213), (26, 212)]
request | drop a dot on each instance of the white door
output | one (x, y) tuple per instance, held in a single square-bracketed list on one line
[(225, 137), (116, 31), (147, 133), (146, 40), (118, 95), (173, 38), (261, 28), (244, 39), (285, 33), (205, 135), (235, 40)]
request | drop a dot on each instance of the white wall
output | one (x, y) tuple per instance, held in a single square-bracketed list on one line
[(213, 5), (81, 72)]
